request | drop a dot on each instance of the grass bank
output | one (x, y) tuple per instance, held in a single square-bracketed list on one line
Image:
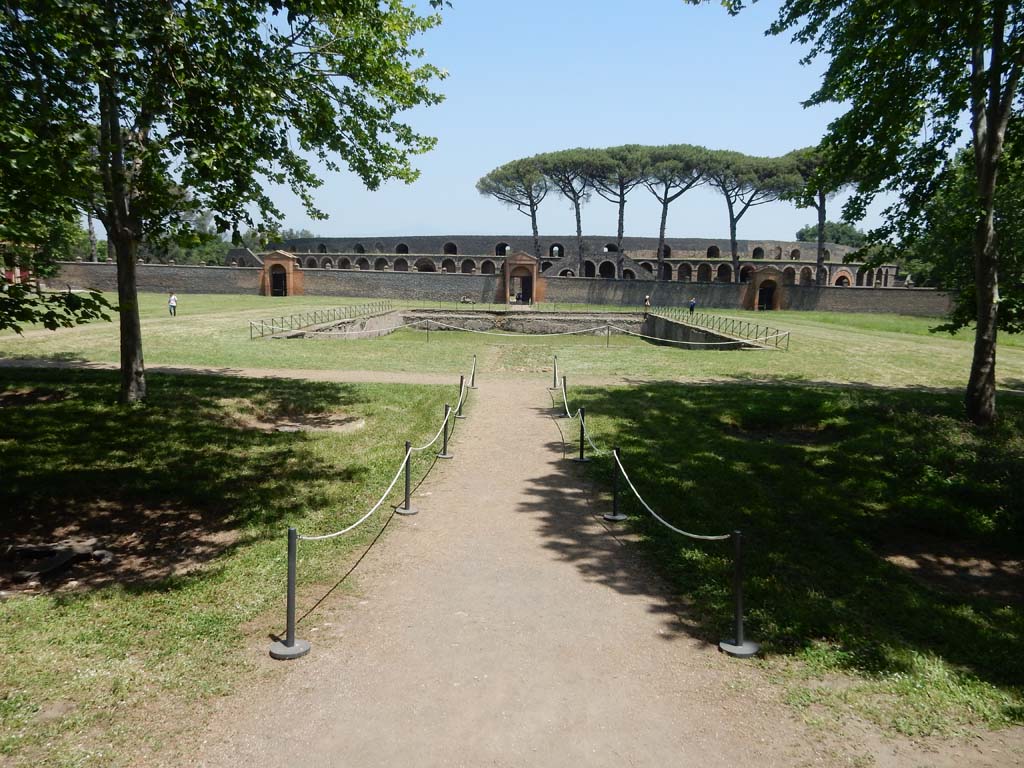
[(885, 538), (192, 494)]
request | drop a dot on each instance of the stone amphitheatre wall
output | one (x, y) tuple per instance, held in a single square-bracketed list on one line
[(433, 286)]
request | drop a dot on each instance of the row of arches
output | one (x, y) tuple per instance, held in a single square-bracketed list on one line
[(467, 267), (704, 273)]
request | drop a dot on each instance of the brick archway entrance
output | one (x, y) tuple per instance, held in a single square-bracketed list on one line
[(522, 279)]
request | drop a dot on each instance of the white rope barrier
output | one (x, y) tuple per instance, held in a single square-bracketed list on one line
[(375, 507), (444, 423), (593, 445), (565, 400), (655, 514)]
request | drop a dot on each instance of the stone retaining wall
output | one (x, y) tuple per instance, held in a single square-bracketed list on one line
[(694, 338)]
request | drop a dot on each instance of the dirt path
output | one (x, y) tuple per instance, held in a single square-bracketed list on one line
[(503, 625)]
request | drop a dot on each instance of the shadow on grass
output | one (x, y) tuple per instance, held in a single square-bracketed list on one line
[(823, 482), (166, 485)]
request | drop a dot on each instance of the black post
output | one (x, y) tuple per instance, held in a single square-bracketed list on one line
[(462, 400), (615, 516), (444, 430), (290, 648), (583, 436), (739, 646), (407, 509)]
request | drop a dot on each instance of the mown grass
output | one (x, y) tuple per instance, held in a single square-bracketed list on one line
[(81, 664), (824, 482), (213, 332)]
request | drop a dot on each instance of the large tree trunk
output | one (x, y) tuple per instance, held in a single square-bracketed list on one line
[(579, 237), (734, 248), (133, 373), (619, 234), (818, 277), (661, 238), (536, 232)]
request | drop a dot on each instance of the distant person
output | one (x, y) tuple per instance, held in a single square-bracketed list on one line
[(647, 305), (172, 304), (693, 303)]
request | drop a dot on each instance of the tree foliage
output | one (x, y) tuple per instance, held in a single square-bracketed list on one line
[(522, 185), (838, 232), (671, 172), (626, 167), (143, 113)]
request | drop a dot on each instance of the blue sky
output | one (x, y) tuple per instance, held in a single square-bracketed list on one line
[(532, 76)]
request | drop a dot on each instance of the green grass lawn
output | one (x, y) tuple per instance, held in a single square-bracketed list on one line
[(831, 486), (196, 505)]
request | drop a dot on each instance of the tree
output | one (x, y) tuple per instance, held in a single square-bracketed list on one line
[(672, 171), (626, 168), (571, 171), (812, 191), (745, 182), (838, 232), (522, 185), (910, 72), (138, 111)]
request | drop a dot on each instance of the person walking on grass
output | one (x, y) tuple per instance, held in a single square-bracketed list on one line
[(172, 304), (647, 306), (693, 303)]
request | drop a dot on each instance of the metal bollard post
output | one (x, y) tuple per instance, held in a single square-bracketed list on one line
[(462, 400), (739, 646), (565, 392), (607, 336), (444, 446), (407, 509), (472, 375), (581, 459), (615, 516), (290, 648), (554, 374)]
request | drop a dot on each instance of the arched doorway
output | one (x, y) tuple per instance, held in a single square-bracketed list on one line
[(450, 249), (789, 276), (627, 274), (487, 267), (278, 281), (703, 273), (448, 265), (746, 273), (766, 295), (685, 273), (842, 282), (521, 285), (806, 276), (607, 269), (425, 265), (588, 269), (714, 252), (724, 274), (363, 264), (380, 265), (468, 266), (401, 265)]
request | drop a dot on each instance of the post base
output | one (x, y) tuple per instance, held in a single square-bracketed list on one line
[(446, 455), (459, 417), (282, 652), (744, 651), (584, 460), (614, 518), (400, 510)]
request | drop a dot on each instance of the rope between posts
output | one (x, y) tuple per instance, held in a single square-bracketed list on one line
[(660, 519), (593, 445), (565, 400), (375, 507)]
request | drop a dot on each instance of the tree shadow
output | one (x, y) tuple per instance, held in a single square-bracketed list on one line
[(165, 487), (822, 480)]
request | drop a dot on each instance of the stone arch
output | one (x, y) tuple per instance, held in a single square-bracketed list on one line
[(767, 295), (704, 273), (758, 253), (666, 251), (589, 269), (646, 267), (502, 249), (425, 265), (321, 248), (860, 275), (311, 263), (468, 266), (380, 264), (363, 263), (806, 276), (402, 248), (448, 265), (401, 265), (449, 249), (869, 278), (789, 276), (327, 264), (627, 274), (378, 247), (607, 269), (567, 273), (724, 273), (358, 248), (794, 255), (822, 276), (544, 265), (611, 248), (842, 280), (746, 273), (278, 280), (686, 273), (714, 252), (556, 251), (827, 255), (344, 264), (487, 267), (777, 252)]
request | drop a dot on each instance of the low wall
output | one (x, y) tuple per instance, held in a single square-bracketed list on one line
[(436, 286), (693, 338), (525, 321)]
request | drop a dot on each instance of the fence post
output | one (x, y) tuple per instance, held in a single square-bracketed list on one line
[(472, 375), (444, 445), (554, 374), (290, 648), (462, 400), (407, 508), (615, 516), (607, 336), (738, 646), (581, 459)]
